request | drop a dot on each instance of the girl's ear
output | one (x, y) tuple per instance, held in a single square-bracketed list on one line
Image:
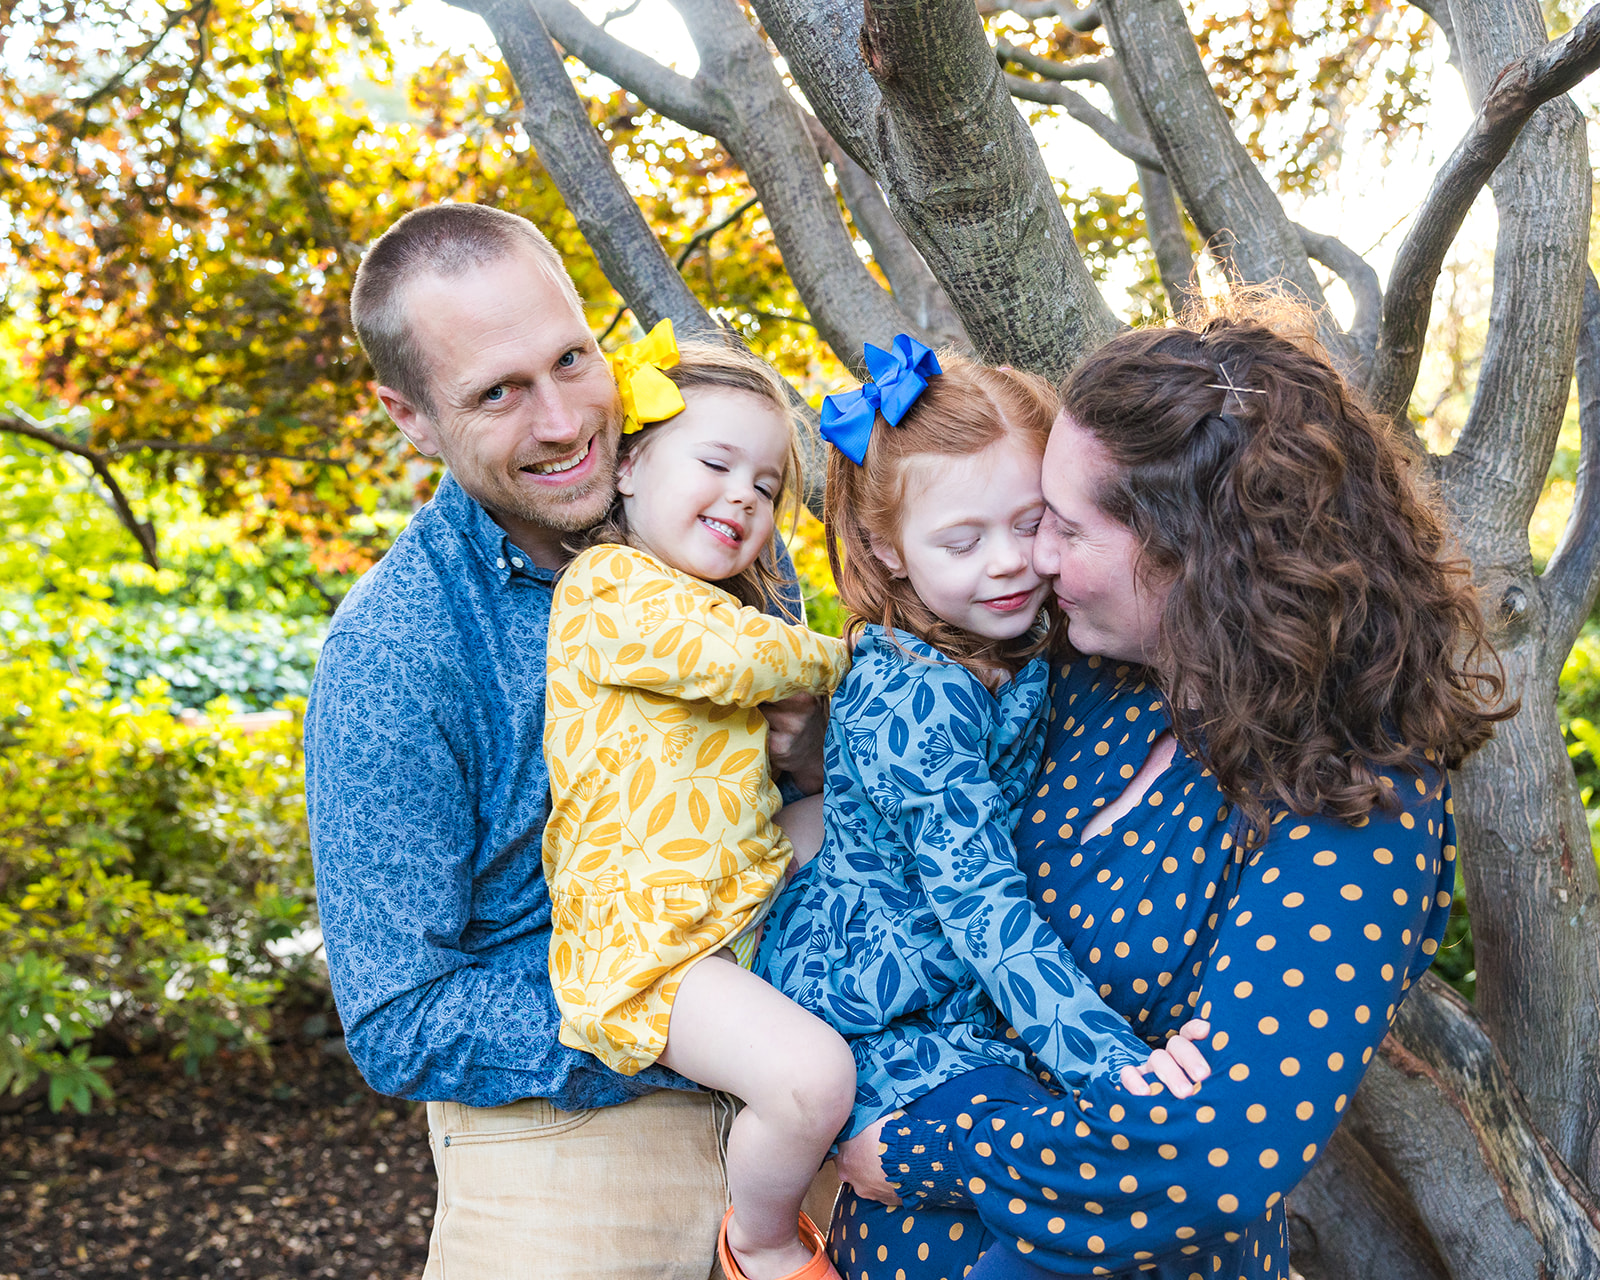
[(625, 473), (887, 555)]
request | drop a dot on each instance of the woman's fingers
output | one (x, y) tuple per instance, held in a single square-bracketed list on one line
[(859, 1165), (1135, 1083), (1195, 1029)]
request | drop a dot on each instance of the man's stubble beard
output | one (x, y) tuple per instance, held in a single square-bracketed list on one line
[(581, 507)]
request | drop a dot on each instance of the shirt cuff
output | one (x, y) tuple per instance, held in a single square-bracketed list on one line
[(920, 1162)]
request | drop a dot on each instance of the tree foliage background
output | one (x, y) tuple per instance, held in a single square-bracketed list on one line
[(193, 469)]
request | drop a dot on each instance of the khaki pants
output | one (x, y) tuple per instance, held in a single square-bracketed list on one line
[(632, 1192)]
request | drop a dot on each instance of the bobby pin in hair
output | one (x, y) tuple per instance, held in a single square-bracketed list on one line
[(1227, 384)]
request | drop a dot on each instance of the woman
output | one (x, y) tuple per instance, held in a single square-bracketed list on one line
[(1243, 814)]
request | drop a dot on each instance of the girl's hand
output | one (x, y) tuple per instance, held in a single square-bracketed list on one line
[(859, 1165), (1179, 1065)]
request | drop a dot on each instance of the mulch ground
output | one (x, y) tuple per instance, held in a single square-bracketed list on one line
[(249, 1171)]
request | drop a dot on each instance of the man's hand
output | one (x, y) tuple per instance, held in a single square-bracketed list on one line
[(795, 730), (859, 1165), (1180, 1065)]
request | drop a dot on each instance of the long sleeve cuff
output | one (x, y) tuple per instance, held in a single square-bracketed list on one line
[(919, 1160)]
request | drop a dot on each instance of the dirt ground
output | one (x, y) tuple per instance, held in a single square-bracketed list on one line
[(245, 1171)]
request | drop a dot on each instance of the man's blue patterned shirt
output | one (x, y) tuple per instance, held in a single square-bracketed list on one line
[(426, 785)]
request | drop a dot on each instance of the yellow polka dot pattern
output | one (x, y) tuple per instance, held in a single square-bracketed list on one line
[(660, 846), (1285, 945)]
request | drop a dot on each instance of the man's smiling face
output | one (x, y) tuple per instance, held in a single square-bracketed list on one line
[(525, 410)]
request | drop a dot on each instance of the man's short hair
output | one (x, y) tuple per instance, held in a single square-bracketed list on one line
[(440, 240)]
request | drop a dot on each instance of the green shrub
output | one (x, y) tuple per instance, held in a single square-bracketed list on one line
[(1579, 703), (147, 867), (254, 659)]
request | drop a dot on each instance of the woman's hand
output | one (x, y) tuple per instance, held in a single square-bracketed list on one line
[(859, 1165), (1179, 1064)]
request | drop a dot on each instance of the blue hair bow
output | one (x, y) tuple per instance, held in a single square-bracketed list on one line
[(899, 376)]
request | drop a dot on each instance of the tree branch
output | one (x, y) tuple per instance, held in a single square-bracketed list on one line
[(1441, 1114), (915, 290), (1226, 195), (659, 87), (577, 159), (16, 422), (1521, 88), (1049, 68), (1572, 577), (768, 136), (1082, 19), (1359, 277), (221, 448), (114, 82), (1349, 1220), (331, 229), (1163, 221), (957, 164), (1048, 92)]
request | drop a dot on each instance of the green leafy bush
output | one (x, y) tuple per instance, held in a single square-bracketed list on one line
[(254, 659), (150, 871)]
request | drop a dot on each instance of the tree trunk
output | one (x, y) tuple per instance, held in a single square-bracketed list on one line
[(1531, 883)]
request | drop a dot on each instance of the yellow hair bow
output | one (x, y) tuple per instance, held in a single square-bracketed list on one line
[(648, 395)]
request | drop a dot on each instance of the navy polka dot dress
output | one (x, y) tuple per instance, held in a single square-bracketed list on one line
[(1298, 952)]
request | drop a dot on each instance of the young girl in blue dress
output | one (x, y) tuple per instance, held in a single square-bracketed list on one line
[(912, 932)]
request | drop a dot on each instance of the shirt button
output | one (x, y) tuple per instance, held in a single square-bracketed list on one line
[(499, 564), (516, 564)]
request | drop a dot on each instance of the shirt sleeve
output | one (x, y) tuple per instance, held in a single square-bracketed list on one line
[(1324, 931), (393, 831), (926, 768), (621, 622)]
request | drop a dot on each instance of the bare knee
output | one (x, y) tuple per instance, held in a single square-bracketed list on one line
[(824, 1095)]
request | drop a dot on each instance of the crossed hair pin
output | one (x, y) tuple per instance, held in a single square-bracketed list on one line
[(1227, 384)]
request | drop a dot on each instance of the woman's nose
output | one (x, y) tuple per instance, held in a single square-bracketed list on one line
[(1046, 554)]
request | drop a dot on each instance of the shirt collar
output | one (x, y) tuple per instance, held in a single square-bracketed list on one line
[(499, 555)]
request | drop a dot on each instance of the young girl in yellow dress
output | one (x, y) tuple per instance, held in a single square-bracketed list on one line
[(662, 849)]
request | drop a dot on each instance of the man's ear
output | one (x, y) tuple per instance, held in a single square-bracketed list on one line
[(888, 555), (416, 426)]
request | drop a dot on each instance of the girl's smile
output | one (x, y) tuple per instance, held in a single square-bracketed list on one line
[(966, 538), (699, 491)]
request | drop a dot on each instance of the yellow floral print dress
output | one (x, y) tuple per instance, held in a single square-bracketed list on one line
[(660, 846)]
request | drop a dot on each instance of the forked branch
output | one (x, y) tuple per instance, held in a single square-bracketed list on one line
[(1525, 85), (18, 423), (659, 87), (1359, 278)]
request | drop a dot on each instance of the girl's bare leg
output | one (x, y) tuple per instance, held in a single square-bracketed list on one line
[(802, 823), (732, 1031)]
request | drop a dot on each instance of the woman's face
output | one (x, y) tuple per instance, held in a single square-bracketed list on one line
[(1090, 557)]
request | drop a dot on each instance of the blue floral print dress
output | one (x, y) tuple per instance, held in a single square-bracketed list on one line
[(912, 932)]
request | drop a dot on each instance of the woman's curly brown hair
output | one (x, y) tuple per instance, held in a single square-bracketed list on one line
[(963, 411), (1317, 626)]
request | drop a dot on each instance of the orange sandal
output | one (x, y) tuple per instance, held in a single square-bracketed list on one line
[(819, 1268)]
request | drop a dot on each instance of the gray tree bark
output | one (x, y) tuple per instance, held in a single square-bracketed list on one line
[(1531, 886), (914, 93)]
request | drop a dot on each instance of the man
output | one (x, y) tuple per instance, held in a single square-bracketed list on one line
[(426, 782)]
